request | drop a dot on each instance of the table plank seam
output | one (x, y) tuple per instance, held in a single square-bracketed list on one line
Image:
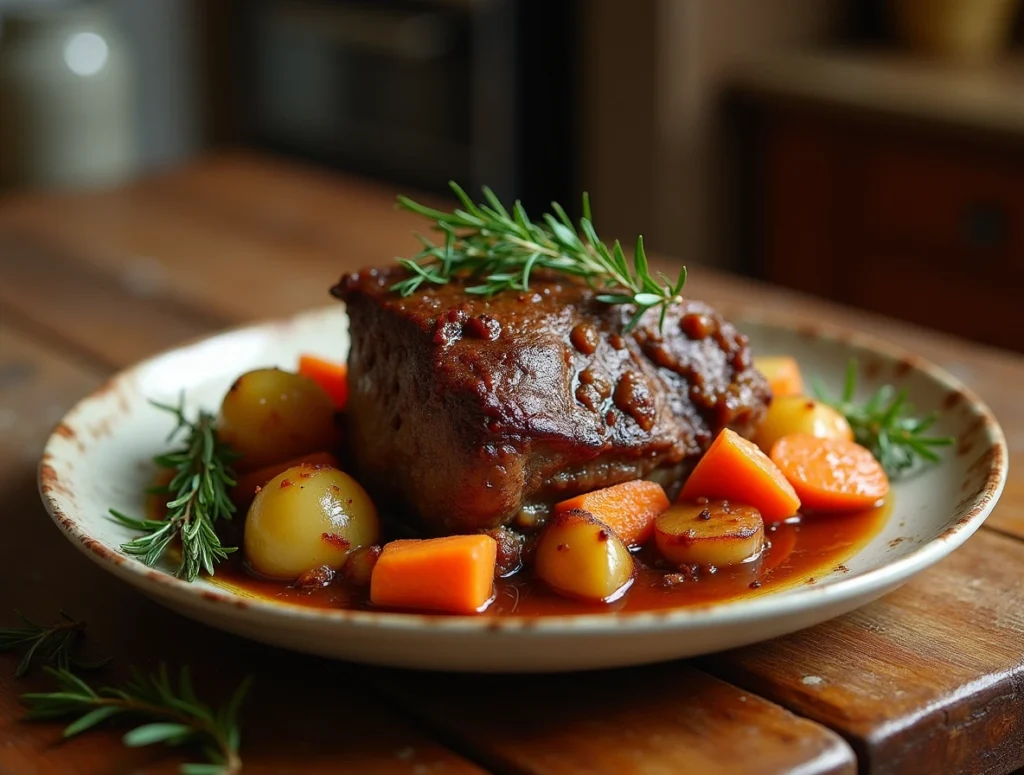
[(62, 256), (1002, 531), (52, 340)]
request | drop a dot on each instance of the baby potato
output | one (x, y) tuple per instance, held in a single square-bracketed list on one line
[(782, 372), (579, 557), (800, 414), (270, 415), (716, 533), (308, 516)]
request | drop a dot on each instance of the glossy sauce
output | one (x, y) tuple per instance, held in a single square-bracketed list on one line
[(801, 551)]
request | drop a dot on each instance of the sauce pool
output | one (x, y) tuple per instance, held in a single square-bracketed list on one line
[(801, 551)]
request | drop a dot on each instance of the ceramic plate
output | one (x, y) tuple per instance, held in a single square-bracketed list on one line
[(98, 458)]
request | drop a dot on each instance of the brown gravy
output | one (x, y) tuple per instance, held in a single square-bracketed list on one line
[(802, 550)]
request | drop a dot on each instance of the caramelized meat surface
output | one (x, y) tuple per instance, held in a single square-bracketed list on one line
[(468, 413)]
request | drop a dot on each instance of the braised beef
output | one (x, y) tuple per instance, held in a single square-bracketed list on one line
[(469, 413)]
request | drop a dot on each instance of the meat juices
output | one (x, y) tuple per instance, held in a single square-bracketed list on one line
[(469, 412)]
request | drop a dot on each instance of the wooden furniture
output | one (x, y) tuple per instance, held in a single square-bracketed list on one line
[(893, 185), (928, 679)]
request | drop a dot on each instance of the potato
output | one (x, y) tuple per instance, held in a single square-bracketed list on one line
[(270, 415), (800, 414), (709, 533), (305, 517), (579, 557), (782, 373)]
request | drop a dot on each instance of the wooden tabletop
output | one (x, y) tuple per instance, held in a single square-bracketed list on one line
[(928, 679)]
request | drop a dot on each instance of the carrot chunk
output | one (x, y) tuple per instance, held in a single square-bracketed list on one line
[(833, 474), (782, 373), (735, 469), (248, 484), (453, 574), (331, 376), (629, 509)]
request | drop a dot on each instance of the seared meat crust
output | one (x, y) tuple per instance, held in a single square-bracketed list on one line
[(469, 413)]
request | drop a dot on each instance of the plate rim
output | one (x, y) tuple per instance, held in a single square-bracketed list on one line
[(57, 501)]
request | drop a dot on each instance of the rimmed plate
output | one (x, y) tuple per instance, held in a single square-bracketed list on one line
[(98, 458)]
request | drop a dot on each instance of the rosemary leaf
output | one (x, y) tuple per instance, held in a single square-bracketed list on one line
[(197, 497), (166, 716), (884, 424), (500, 249), (90, 719), (53, 643)]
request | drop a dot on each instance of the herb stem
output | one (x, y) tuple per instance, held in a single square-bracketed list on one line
[(500, 248), (198, 498), (56, 643), (201, 726), (884, 424), (170, 714)]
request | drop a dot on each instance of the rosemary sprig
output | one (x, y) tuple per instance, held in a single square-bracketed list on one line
[(501, 249), (170, 714), (199, 497), (885, 426), (54, 643)]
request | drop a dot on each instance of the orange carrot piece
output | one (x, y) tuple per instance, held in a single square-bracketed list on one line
[(629, 509), (331, 376), (782, 373), (735, 469), (453, 574), (830, 474), (248, 484)]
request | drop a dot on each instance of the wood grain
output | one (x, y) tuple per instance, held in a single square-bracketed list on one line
[(931, 673), (918, 191), (650, 721), (797, 217), (241, 239), (90, 311), (331, 721), (849, 199)]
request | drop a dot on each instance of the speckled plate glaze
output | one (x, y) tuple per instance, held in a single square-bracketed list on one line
[(98, 458)]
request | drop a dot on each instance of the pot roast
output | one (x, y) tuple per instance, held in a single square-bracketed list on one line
[(467, 413)]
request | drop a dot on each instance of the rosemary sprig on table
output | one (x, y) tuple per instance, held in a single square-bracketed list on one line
[(55, 643), (501, 248), (885, 426), (199, 498), (169, 714)]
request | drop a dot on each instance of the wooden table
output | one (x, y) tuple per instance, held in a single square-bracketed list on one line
[(930, 679)]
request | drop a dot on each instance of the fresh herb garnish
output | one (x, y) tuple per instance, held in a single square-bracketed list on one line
[(169, 714), (54, 643), (501, 249), (885, 426), (198, 495)]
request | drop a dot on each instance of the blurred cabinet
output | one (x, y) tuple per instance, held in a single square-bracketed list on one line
[(415, 92), (896, 217)]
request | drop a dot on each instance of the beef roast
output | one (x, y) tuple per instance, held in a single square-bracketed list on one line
[(469, 413)]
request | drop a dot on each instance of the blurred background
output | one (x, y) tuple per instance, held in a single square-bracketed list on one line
[(868, 151)]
